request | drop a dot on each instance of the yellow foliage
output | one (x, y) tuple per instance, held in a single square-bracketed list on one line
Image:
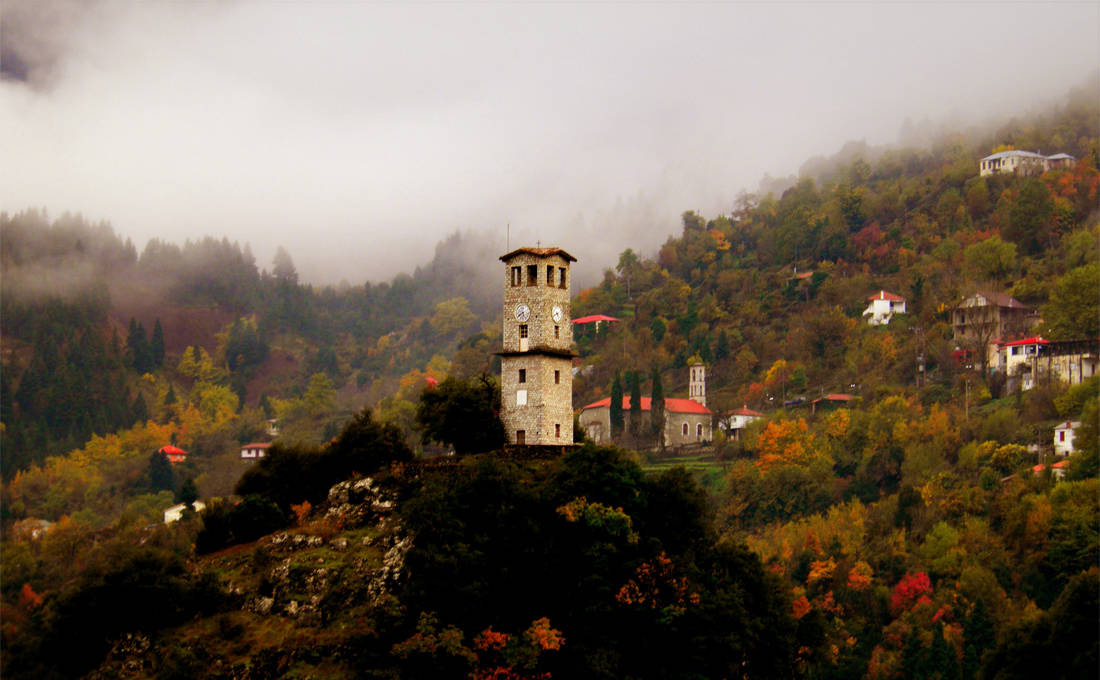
[(821, 570)]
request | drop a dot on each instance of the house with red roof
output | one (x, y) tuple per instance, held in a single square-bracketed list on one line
[(737, 420), (254, 450), (175, 454), (882, 307), (1058, 469), (687, 421), (835, 400), (1027, 360)]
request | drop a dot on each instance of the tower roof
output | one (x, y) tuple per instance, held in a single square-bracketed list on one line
[(541, 252)]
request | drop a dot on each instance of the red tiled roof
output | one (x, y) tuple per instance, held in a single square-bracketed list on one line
[(1037, 340), (171, 450), (671, 405), (803, 275), (746, 411), (883, 295), (544, 252), (1061, 464), (593, 318), (257, 445), (834, 397)]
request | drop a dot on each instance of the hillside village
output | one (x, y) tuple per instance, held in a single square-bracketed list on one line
[(848, 429)]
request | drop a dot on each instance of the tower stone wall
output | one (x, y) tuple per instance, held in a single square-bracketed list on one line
[(537, 358)]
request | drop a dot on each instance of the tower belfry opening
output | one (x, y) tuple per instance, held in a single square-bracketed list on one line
[(537, 355)]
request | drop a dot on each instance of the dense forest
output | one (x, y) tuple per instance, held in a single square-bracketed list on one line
[(913, 532)]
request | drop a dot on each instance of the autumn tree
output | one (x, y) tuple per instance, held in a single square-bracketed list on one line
[(462, 414), (1074, 309)]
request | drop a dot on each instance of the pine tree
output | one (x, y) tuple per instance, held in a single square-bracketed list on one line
[(616, 407), (156, 345)]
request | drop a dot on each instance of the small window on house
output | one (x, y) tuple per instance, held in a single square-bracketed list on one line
[(557, 430), (532, 275), (685, 429), (521, 437), (561, 277), (699, 430), (516, 275), (557, 377), (523, 330), (549, 275), (557, 332), (1061, 436), (523, 375)]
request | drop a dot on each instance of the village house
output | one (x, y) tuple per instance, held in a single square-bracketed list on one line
[(883, 306), (830, 400), (983, 317), (1023, 162), (175, 513), (1063, 437), (738, 420), (175, 454), (1058, 470), (254, 450), (687, 421), (1029, 360)]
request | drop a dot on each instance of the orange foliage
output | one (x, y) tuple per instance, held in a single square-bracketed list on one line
[(656, 586), (800, 607), (28, 599), (821, 570), (785, 442), (542, 636), (301, 512), (859, 578), (491, 640)]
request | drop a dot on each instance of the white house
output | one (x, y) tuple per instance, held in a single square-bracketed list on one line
[(1023, 162), (738, 420), (254, 450), (175, 513), (883, 306), (1063, 437)]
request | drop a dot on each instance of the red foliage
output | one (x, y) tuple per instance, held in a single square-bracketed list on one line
[(911, 588)]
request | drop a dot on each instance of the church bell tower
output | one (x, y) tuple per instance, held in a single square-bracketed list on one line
[(537, 358)]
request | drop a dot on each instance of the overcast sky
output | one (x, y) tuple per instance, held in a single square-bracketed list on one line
[(357, 134)]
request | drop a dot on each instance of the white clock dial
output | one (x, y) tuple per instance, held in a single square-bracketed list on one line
[(523, 312), (557, 314)]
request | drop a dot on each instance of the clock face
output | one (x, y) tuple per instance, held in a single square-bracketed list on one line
[(557, 314), (523, 312)]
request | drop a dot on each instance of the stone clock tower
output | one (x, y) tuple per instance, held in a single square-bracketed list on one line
[(537, 359)]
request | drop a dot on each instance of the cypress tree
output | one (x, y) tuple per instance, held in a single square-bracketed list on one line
[(160, 472), (635, 404), (722, 348), (156, 345), (188, 493), (657, 409), (616, 407)]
